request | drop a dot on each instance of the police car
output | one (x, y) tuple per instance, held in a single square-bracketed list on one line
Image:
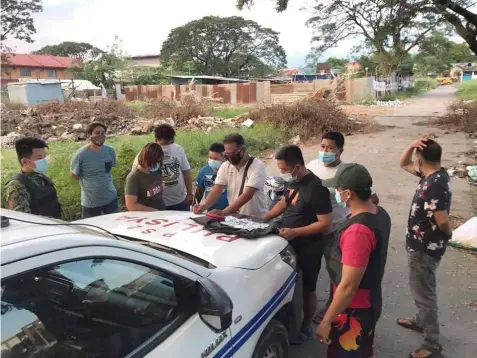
[(143, 284)]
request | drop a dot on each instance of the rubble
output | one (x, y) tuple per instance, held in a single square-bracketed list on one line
[(381, 104), (68, 121)]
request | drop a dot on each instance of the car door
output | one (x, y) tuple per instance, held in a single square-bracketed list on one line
[(101, 302)]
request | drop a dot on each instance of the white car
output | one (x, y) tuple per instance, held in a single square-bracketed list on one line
[(156, 285)]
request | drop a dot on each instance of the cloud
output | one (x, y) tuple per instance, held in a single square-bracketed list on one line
[(144, 24)]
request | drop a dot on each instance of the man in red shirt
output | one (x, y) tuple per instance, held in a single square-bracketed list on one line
[(356, 267)]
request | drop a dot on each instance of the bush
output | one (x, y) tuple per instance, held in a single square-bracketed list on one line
[(461, 116), (308, 117), (195, 143)]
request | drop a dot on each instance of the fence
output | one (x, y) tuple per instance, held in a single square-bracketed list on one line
[(232, 93)]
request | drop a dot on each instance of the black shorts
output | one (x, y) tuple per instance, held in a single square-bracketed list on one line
[(309, 261)]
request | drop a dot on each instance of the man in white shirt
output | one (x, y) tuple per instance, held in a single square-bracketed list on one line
[(325, 167), (175, 169), (244, 178)]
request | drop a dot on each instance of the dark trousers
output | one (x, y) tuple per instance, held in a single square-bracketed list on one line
[(179, 207), (110, 208), (422, 280)]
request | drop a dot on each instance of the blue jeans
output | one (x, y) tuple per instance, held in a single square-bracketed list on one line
[(179, 207), (110, 208)]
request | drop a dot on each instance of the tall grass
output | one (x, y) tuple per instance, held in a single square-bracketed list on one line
[(258, 138), (467, 90)]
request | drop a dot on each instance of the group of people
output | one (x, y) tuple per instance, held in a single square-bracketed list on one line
[(329, 210)]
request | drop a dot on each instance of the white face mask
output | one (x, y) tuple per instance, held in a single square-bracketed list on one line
[(288, 177), (340, 201)]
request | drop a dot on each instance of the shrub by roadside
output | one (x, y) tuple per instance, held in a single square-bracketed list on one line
[(259, 138), (460, 117), (307, 118)]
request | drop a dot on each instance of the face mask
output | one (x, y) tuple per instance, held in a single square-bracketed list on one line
[(235, 159), (41, 165), (214, 164), (417, 166), (338, 199), (327, 157), (155, 168), (98, 140), (288, 177)]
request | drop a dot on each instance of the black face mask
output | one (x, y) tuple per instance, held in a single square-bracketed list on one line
[(98, 140), (235, 159)]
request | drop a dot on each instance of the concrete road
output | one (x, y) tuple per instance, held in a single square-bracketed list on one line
[(457, 276)]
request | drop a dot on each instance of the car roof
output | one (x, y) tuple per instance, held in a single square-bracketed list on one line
[(176, 230), (27, 229)]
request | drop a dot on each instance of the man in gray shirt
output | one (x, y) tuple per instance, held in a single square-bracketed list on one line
[(91, 165)]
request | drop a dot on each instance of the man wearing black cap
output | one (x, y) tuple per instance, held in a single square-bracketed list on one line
[(356, 267)]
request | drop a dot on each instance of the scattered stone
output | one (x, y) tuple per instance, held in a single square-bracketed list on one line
[(68, 136), (148, 127), (248, 123), (77, 127), (136, 131), (295, 140)]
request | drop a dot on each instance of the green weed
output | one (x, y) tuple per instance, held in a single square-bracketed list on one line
[(228, 112), (467, 90)]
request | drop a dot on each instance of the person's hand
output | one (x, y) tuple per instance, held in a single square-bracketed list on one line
[(198, 209), (420, 143), (220, 212), (323, 332), (288, 234), (189, 199)]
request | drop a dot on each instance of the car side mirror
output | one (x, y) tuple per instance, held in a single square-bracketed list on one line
[(214, 305)]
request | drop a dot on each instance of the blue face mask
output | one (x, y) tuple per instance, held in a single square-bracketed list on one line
[(327, 157), (41, 165), (155, 168), (338, 199), (214, 164)]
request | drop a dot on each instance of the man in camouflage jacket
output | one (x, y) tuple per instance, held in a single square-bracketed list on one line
[(31, 191)]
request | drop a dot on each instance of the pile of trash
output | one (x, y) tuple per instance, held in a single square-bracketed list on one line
[(69, 120), (464, 170), (381, 104)]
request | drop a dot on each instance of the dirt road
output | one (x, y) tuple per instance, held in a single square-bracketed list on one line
[(457, 277)]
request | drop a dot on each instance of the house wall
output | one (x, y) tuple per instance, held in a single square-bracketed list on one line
[(472, 77), (150, 62), (232, 93), (14, 73)]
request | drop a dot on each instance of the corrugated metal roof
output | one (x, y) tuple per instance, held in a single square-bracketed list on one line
[(28, 60)]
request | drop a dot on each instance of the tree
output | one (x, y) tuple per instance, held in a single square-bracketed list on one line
[(338, 63), (456, 12), (438, 53), (79, 50), (17, 21), (229, 46)]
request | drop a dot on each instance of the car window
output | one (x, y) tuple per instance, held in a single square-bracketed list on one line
[(90, 308)]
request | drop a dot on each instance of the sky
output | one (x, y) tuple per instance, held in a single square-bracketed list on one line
[(143, 25)]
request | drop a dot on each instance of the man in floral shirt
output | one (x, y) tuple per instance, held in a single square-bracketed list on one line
[(428, 232)]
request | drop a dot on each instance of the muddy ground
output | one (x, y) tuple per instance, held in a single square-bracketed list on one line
[(457, 276)]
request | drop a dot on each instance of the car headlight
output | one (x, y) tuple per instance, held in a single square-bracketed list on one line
[(288, 255)]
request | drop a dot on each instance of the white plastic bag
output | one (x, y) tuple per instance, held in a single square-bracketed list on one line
[(466, 235)]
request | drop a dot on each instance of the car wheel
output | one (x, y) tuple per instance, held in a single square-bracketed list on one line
[(273, 342)]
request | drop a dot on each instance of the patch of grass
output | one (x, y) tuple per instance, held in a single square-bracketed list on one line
[(136, 105), (228, 112), (261, 137), (467, 90)]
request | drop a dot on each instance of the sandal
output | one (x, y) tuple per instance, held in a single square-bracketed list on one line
[(433, 352), (409, 323), (317, 318)]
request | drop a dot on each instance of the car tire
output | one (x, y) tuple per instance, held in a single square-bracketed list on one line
[(273, 342)]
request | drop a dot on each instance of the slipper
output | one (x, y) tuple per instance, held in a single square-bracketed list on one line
[(410, 324), (317, 318), (434, 352)]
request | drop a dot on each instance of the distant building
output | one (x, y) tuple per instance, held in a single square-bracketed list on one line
[(27, 67), (203, 80), (464, 71), (145, 60), (353, 67)]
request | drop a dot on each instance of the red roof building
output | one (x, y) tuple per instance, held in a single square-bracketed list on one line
[(18, 67)]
